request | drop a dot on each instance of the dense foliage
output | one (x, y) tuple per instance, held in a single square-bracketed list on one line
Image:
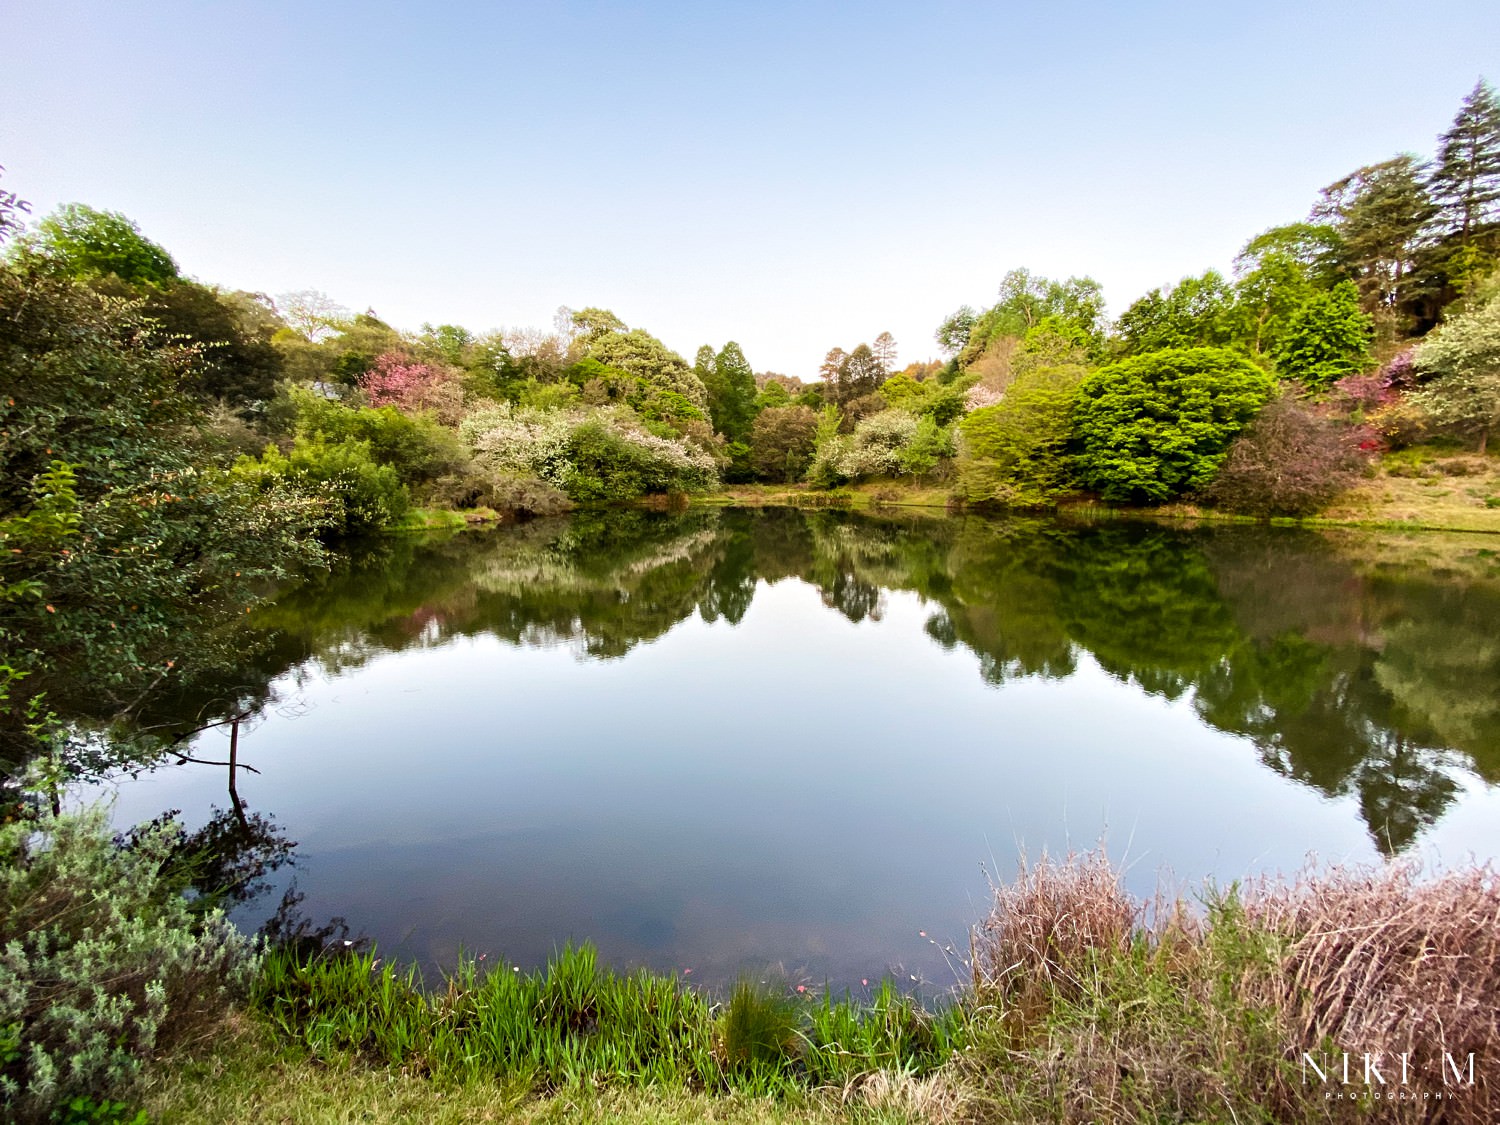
[(1158, 425)]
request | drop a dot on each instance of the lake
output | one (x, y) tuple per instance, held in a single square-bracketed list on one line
[(722, 740)]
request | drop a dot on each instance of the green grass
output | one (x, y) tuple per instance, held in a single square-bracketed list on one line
[(579, 1024)]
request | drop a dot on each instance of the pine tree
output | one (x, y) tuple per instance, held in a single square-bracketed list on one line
[(885, 352), (1466, 180)]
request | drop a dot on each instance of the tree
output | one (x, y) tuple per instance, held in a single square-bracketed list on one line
[(1326, 339), (731, 398), (1465, 182), (1157, 425), (83, 242), (154, 544), (1196, 312), (953, 334), (1025, 300), (665, 375), (863, 373), (781, 442), (885, 352), (12, 206), (834, 370), (238, 363), (1016, 451), (1462, 362), (315, 315), (1381, 212)]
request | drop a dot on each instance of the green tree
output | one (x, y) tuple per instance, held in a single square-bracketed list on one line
[(1462, 362), (163, 545), (1327, 338), (1196, 312), (863, 373), (953, 334), (1157, 425), (782, 441), (1381, 213), (1465, 181), (731, 398), (1016, 452), (84, 243)]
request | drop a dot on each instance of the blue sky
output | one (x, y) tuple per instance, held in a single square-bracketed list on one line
[(790, 175)]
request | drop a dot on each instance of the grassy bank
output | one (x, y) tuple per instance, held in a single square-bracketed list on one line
[(1424, 488), (1086, 1005)]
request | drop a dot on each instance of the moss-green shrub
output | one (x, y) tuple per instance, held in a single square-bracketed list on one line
[(359, 495)]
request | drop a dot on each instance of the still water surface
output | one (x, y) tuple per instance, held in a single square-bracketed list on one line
[(720, 740)]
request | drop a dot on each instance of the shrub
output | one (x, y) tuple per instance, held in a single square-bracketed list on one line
[(410, 386), (102, 962), (1159, 424), (360, 495), (417, 447), (1016, 451), (604, 455), (1290, 461)]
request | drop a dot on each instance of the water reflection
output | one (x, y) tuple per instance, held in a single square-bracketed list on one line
[(1360, 668), (1351, 664)]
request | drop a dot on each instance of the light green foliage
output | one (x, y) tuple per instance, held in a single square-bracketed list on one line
[(1196, 312), (605, 339), (102, 962), (1327, 338), (1158, 425), (85, 243), (1016, 452), (358, 495), (1462, 362), (416, 447), (774, 393), (1025, 301), (942, 402)]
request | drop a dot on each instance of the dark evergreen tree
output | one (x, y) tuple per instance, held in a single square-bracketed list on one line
[(1465, 182)]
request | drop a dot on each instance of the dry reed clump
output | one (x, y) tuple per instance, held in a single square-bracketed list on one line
[(1048, 927), (1386, 963), (1094, 1007)]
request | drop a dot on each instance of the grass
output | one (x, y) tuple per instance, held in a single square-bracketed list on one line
[(1087, 1005), (1106, 1008), (578, 1024), (1436, 488)]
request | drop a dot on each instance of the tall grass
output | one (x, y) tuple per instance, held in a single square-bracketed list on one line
[(1093, 1006)]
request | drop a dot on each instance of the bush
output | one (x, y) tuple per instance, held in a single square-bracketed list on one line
[(418, 448), (102, 962), (604, 455), (360, 495), (891, 443), (1016, 451), (1289, 461), (1160, 424)]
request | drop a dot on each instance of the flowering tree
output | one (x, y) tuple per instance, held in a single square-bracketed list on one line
[(397, 381)]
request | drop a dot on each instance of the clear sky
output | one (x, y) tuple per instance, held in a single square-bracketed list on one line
[(793, 176)]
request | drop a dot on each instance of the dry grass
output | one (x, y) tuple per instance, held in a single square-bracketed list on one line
[(1105, 1008)]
